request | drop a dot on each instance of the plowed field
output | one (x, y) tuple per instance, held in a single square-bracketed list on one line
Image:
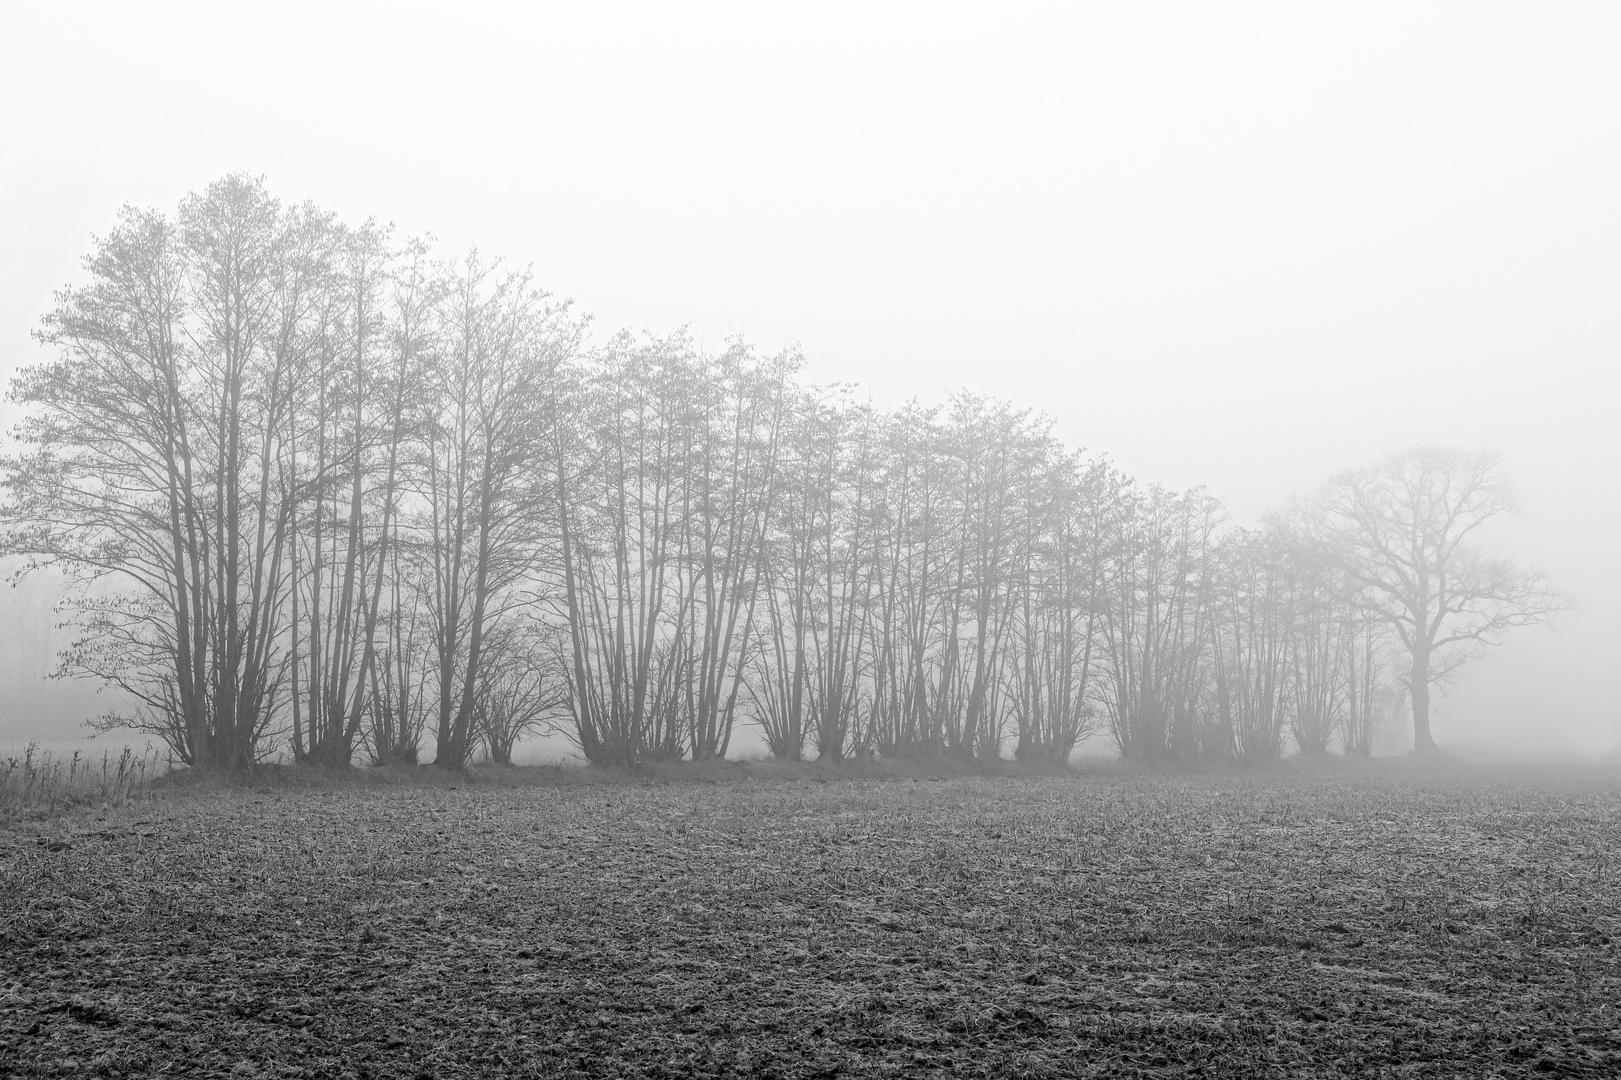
[(1464, 924)]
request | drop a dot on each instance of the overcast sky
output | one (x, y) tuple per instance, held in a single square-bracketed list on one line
[(1229, 244)]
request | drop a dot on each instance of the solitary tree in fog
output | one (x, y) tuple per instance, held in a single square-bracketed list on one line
[(1405, 530)]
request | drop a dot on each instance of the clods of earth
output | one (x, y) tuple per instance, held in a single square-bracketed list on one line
[(1104, 925)]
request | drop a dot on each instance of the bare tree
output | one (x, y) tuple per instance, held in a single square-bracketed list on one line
[(1321, 628), (1155, 620), (820, 575), (783, 660), (350, 432), (481, 508), (154, 478), (1369, 695), (1406, 531), (521, 686), (1250, 642), (1052, 664), (620, 463), (998, 449), (403, 691), (912, 556)]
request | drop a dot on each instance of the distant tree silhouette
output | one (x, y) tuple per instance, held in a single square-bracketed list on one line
[(1407, 532)]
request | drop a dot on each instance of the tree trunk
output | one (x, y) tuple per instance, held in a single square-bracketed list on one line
[(1423, 742)]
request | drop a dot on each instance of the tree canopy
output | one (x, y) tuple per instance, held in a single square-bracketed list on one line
[(1406, 533)]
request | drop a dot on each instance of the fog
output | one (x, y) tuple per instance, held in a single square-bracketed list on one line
[(1243, 247)]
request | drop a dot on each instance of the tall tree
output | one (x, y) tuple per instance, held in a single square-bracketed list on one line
[(819, 574), (621, 461), (998, 453), (350, 430), (1155, 620), (912, 554), (732, 480), (1407, 531), (153, 476), (1250, 642), (1321, 632), (1052, 662), (482, 509)]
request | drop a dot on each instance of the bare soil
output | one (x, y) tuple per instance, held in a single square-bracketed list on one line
[(787, 924)]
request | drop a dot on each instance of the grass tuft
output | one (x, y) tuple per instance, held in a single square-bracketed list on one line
[(40, 782)]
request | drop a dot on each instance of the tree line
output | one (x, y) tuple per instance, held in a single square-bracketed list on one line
[(318, 490)]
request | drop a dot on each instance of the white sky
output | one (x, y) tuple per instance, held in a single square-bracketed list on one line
[(1242, 245)]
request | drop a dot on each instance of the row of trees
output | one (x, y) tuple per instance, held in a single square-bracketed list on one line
[(315, 488)]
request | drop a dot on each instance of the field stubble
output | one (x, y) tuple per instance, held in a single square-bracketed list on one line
[(1112, 924)]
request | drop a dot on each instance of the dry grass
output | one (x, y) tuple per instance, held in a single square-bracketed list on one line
[(1359, 923), (39, 782)]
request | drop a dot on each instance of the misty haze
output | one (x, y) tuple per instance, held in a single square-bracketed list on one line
[(614, 542)]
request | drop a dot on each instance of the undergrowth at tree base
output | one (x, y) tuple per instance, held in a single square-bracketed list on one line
[(790, 923)]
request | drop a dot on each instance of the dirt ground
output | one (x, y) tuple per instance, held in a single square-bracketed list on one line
[(1368, 923)]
